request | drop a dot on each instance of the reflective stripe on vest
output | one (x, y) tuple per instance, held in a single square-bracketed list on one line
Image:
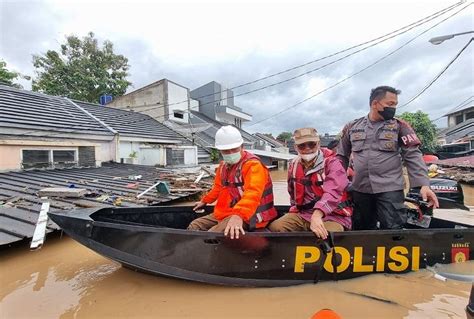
[(231, 177)]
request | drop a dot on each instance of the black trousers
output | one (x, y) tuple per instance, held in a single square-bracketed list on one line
[(386, 208)]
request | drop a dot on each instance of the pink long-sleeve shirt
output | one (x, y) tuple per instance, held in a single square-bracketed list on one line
[(335, 183)]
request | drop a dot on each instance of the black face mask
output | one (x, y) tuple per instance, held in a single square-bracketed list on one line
[(388, 113)]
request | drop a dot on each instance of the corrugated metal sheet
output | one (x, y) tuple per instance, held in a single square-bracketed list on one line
[(20, 204)]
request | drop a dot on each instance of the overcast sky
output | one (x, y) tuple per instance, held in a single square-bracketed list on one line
[(233, 42)]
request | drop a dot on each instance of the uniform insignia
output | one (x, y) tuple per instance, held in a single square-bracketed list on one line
[(389, 136), (391, 126), (389, 145), (410, 139), (357, 136), (459, 252)]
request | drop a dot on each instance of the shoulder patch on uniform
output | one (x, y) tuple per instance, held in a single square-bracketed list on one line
[(407, 134)]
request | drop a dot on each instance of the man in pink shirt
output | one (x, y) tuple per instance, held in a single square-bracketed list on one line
[(317, 184)]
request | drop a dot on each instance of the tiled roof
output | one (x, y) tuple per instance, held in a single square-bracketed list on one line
[(129, 123), (44, 114)]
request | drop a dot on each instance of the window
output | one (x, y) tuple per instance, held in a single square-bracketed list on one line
[(174, 156), (459, 119), (470, 115), (35, 158), (64, 158), (48, 158), (178, 115)]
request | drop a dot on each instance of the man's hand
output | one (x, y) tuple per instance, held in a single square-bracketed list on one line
[(428, 195), (317, 225), (199, 205), (234, 226)]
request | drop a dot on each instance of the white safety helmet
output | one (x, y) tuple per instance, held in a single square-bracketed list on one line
[(228, 137)]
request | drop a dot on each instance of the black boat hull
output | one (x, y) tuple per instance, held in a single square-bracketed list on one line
[(260, 258)]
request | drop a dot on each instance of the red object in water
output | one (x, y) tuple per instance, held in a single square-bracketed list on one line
[(326, 314), (428, 159)]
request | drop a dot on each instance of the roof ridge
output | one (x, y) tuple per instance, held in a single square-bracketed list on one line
[(92, 116)]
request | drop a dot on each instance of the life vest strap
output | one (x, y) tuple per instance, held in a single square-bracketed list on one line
[(308, 205)]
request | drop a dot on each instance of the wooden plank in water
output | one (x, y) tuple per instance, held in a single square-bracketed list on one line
[(40, 230)]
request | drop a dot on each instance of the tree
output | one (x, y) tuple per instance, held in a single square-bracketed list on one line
[(81, 70), (284, 136), (424, 128), (7, 77)]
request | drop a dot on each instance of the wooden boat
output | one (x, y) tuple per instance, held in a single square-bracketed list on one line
[(155, 240)]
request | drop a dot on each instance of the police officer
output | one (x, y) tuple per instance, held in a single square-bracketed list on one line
[(379, 143)]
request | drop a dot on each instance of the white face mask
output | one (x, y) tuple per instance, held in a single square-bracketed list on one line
[(232, 158), (308, 157)]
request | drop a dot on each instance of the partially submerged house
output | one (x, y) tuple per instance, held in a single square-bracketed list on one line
[(49, 141), (458, 138), (43, 131), (143, 140)]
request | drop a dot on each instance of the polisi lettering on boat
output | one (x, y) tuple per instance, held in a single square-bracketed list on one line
[(394, 259)]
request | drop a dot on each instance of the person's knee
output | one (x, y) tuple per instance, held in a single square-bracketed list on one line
[(333, 226), (276, 226), (194, 226)]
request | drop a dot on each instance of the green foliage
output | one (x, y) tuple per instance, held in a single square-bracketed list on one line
[(424, 128), (7, 77), (81, 70), (284, 136), (214, 155), (133, 154)]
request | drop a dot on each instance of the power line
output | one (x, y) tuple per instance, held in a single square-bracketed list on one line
[(393, 35), (413, 25), (360, 71), (307, 72), (438, 76), (460, 105), (428, 18)]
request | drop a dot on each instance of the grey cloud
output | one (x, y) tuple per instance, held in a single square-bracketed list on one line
[(33, 23)]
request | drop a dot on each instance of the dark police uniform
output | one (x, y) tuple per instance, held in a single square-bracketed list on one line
[(378, 149)]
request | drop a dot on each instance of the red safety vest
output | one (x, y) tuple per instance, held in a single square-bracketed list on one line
[(233, 180), (313, 183)]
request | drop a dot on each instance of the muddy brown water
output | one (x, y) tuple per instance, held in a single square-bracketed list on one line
[(67, 280)]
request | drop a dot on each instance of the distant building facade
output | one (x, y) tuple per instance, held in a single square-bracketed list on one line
[(217, 103)]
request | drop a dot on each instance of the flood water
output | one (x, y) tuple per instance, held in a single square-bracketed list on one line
[(66, 280)]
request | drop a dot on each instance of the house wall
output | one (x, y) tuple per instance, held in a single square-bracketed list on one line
[(176, 95), (148, 154), (152, 156), (229, 119), (149, 100), (11, 151), (159, 100), (208, 98), (464, 113)]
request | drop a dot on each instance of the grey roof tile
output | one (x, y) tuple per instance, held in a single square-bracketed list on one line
[(131, 123), (40, 112)]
